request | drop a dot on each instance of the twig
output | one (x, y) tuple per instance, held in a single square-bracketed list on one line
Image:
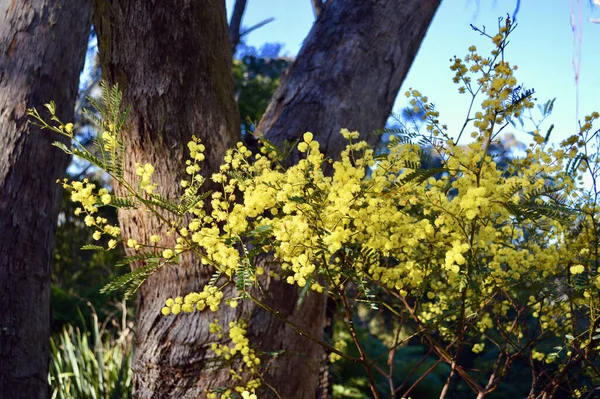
[(363, 357)]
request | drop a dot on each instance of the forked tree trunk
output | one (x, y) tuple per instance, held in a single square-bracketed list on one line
[(42, 49), (173, 63)]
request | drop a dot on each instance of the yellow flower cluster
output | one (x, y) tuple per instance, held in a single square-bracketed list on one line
[(83, 192), (239, 349), (478, 348), (577, 269), (193, 166), (145, 173), (210, 297), (110, 140)]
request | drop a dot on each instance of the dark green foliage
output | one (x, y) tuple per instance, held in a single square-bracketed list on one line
[(94, 363), (349, 378), (256, 79)]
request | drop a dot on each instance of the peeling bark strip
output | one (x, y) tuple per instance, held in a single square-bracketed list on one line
[(42, 49), (173, 62)]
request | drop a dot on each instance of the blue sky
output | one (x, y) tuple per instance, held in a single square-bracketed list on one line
[(542, 46)]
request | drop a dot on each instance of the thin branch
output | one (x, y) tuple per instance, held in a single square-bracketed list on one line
[(363, 357), (449, 380), (412, 371), (422, 377), (258, 25), (236, 23)]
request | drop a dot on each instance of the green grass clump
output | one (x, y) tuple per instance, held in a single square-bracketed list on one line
[(93, 364)]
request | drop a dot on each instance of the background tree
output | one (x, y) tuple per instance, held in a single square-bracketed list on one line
[(43, 46), (185, 88)]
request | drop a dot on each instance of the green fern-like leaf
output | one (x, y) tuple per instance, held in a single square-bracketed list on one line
[(243, 276), (63, 147), (122, 202), (94, 160), (581, 280), (131, 281), (512, 190), (134, 258), (304, 292), (90, 247), (214, 278), (162, 203), (574, 163), (420, 175), (400, 139), (192, 202)]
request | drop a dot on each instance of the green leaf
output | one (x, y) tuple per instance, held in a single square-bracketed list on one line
[(260, 230), (197, 199), (420, 175), (303, 292), (547, 137), (62, 146), (134, 258), (162, 203), (121, 202), (88, 157), (90, 247), (51, 107), (132, 280), (214, 278)]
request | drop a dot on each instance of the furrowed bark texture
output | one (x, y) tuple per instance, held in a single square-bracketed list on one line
[(173, 63), (174, 66), (348, 72), (42, 49)]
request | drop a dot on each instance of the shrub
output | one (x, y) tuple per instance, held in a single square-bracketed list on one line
[(468, 258)]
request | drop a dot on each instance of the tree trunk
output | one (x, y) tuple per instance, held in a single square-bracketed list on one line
[(42, 49), (348, 72), (173, 62), (174, 65), (347, 75)]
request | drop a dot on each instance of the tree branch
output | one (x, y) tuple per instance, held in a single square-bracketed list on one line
[(236, 23)]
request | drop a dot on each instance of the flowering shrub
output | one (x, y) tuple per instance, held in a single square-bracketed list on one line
[(467, 255)]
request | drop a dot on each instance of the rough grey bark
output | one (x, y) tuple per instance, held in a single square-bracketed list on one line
[(42, 49), (349, 71), (174, 64)]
